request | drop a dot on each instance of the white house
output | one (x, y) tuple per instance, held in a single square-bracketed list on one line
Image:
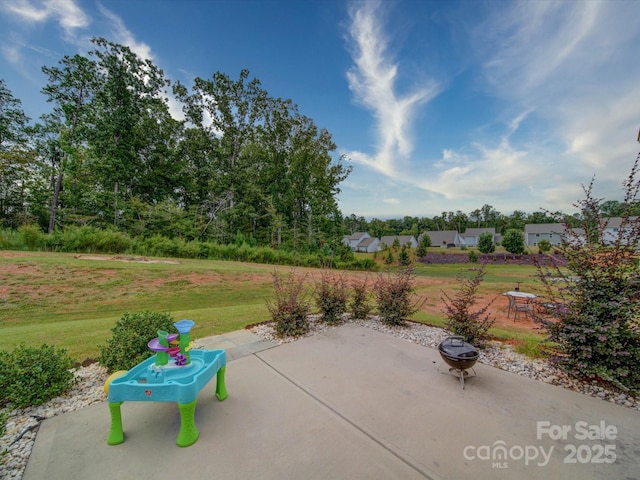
[(555, 232), (612, 228), (368, 245), (534, 232), (388, 241), (354, 239)]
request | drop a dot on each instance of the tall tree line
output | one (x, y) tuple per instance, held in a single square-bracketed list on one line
[(109, 154)]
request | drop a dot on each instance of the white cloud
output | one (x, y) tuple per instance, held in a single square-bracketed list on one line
[(122, 35), (373, 82), (575, 65), (66, 12)]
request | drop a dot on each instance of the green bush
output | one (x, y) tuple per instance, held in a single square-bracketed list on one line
[(331, 295), (485, 243), (544, 246), (290, 307), (9, 239), (32, 237), (30, 376), (513, 242), (112, 241), (367, 264), (394, 294), (360, 307), (128, 343), (461, 319), (473, 256)]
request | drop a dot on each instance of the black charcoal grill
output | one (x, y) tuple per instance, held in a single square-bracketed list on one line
[(459, 355)]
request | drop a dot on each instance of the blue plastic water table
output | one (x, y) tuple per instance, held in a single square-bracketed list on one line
[(148, 382)]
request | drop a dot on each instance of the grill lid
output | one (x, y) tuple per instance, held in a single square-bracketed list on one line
[(456, 347)]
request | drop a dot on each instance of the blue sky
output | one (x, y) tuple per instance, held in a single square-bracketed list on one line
[(438, 105)]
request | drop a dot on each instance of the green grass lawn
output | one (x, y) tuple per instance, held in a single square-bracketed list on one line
[(73, 302)]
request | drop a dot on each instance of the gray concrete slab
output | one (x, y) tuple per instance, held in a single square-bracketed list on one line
[(237, 344), (349, 403)]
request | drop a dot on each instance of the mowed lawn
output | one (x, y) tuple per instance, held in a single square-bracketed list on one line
[(73, 301)]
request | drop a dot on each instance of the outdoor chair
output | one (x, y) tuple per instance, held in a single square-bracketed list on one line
[(521, 305), (512, 304)]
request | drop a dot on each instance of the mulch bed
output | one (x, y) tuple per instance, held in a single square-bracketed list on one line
[(496, 258)]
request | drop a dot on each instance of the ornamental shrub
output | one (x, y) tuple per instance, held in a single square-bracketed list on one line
[(596, 331), (128, 344), (544, 246), (461, 318), (394, 295), (331, 295), (360, 307), (31, 376), (291, 305)]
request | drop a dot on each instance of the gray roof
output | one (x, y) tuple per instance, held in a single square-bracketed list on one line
[(438, 237), (558, 228), (403, 239), (357, 235), (476, 232), (615, 222), (367, 241)]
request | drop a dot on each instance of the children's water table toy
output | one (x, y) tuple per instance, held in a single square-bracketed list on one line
[(173, 374)]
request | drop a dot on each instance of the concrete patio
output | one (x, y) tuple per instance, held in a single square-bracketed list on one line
[(350, 403)]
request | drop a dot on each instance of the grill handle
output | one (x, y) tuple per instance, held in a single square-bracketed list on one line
[(458, 338)]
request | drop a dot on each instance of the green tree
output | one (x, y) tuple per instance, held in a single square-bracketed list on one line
[(235, 109), (513, 242), (425, 242), (404, 258), (15, 158), (62, 135), (485, 243), (130, 90)]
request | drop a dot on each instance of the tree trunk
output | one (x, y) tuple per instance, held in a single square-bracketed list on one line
[(54, 203), (115, 204)]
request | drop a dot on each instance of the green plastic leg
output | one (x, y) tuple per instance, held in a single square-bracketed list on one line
[(221, 388), (188, 432), (116, 435)]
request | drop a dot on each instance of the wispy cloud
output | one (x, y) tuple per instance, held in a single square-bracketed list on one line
[(66, 13), (575, 64), (122, 35), (372, 80), (570, 69)]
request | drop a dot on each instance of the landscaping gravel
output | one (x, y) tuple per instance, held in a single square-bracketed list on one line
[(23, 424)]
